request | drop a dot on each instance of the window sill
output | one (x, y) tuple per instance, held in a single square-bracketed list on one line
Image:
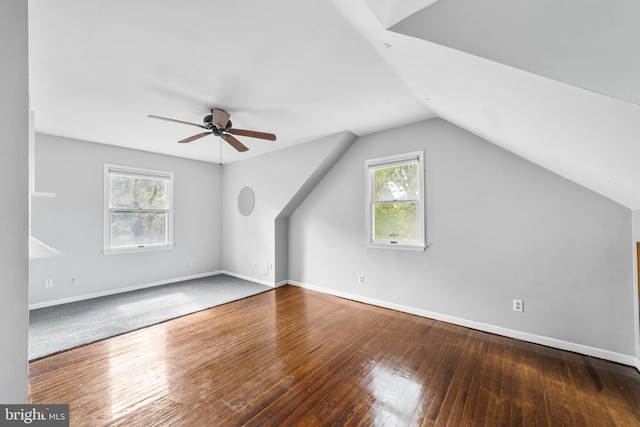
[(137, 249), (397, 246)]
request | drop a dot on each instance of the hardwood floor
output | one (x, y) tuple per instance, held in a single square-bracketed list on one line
[(297, 357)]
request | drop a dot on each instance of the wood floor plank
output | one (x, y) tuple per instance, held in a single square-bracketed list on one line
[(296, 357)]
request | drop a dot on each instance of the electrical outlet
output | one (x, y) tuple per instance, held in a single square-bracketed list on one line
[(267, 272), (361, 279), (518, 305), (192, 262), (48, 283), (73, 280)]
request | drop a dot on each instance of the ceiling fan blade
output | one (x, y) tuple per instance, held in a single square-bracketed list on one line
[(234, 142), (219, 117), (176, 121), (194, 137), (253, 134)]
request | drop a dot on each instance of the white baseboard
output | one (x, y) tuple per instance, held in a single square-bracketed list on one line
[(524, 336), (250, 279), (120, 290)]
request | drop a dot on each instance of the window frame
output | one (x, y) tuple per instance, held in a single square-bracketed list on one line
[(107, 249), (389, 161)]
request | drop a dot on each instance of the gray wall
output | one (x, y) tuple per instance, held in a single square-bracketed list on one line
[(14, 193), (72, 221), (282, 250), (280, 181), (498, 228)]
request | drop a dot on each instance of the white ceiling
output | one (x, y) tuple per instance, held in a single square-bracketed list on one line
[(297, 69), (307, 69), (589, 44)]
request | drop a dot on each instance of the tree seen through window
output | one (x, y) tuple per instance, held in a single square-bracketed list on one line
[(139, 210), (395, 202)]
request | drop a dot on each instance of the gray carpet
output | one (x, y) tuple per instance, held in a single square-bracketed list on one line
[(62, 327)]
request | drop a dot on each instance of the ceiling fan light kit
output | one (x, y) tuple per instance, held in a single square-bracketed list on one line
[(217, 123)]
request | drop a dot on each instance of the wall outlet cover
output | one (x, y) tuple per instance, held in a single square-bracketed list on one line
[(518, 305)]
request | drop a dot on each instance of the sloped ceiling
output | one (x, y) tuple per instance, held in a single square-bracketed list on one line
[(551, 81), (390, 12), (554, 82), (589, 44)]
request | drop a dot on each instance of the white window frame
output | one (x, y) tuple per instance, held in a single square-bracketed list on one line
[(142, 173), (396, 160)]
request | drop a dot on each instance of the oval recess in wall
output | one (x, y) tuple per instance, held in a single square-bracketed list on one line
[(246, 201)]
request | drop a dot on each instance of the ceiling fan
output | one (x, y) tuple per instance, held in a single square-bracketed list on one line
[(217, 123)]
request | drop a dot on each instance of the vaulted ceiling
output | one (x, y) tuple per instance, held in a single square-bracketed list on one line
[(554, 82)]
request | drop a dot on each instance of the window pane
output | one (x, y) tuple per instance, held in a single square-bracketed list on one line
[(397, 183), (396, 221), (138, 228), (130, 192)]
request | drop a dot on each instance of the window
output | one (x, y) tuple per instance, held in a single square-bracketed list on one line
[(138, 209), (395, 202)]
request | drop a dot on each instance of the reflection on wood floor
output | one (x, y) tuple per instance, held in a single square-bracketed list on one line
[(297, 357)]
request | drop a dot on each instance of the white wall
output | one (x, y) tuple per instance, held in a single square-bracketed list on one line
[(14, 193), (498, 228), (73, 221), (280, 181)]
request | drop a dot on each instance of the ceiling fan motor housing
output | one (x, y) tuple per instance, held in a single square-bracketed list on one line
[(208, 122)]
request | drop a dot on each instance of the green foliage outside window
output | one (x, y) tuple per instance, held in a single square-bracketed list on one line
[(395, 222), (138, 211), (129, 192), (395, 204)]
